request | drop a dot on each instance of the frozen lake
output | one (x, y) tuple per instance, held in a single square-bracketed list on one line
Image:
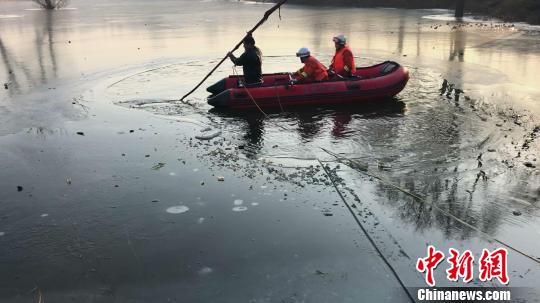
[(106, 194)]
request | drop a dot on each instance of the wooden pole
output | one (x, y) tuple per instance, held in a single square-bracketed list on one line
[(249, 33)]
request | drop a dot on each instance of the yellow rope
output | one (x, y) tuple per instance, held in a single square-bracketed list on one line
[(370, 239), (255, 102), (352, 163), (247, 91)]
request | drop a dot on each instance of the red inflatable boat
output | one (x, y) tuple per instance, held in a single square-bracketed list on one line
[(381, 81)]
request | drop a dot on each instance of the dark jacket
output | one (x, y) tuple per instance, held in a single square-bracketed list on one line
[(251, 63)]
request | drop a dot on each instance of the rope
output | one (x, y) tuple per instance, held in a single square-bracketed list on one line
[(247, 91), (235, 72), (366, 233), (255, 102), (278, 99), (435, 206)]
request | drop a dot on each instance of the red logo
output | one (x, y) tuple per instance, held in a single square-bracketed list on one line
[(429, 264), (460, 266), (491, 265), (494, 265)]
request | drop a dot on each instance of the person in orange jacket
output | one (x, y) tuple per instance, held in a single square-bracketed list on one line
[(343, 61), (313, 70)]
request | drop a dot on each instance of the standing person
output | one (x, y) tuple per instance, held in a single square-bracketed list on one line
[(343, 61), (251, 61), (313, 70)]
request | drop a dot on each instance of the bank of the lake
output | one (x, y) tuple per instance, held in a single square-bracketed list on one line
[(507, 10)]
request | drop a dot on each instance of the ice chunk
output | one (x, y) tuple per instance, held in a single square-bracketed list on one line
[(179, 209)]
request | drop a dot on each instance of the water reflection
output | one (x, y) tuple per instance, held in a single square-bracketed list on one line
[(307, 123), (458, 41), (45, 40), (341, 122), (16, 65), (13, 83), (401, 33)]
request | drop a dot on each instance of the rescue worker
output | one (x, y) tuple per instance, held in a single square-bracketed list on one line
[(251, 61), (343, 61), (313, 70)]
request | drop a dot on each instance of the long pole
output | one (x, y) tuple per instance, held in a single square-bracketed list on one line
[(265, 17)]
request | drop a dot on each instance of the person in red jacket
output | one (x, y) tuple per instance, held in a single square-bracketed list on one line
[(343, 61), (313, 70)]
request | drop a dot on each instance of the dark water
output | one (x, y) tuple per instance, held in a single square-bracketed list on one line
[(92, 221)]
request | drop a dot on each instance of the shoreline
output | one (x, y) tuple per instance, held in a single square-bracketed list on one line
[(527, 11)]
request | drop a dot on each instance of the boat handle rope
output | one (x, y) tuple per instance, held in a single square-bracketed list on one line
[(255, 102), (278, 99), (247, 91)]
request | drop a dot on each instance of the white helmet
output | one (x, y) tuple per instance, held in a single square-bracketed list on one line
[(340, 39), (303, 52)]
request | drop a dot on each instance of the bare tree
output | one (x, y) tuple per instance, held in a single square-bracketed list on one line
[(51, 4)]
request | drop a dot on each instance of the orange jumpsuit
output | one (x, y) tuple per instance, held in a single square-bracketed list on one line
[(343, 62), (313, 70)]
